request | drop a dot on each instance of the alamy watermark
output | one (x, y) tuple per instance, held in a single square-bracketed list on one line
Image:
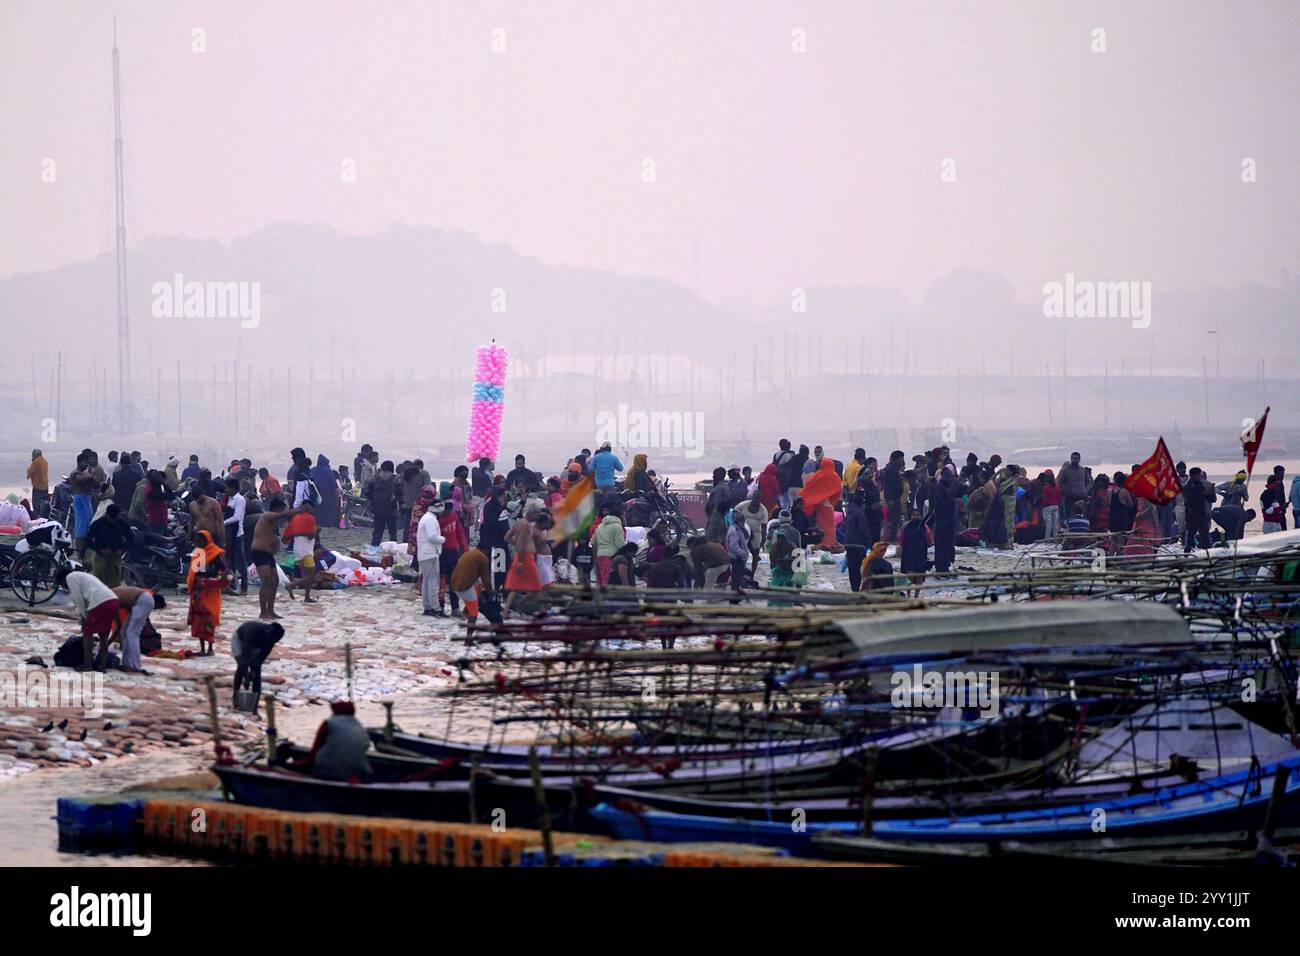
[(1084, 299), (179, 299), (939, 689), (35, 688), (638, 429)]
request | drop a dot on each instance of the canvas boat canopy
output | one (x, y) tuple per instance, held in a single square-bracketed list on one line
[(1033, 624)]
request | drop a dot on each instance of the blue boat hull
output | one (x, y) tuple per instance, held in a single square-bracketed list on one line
[(662, 827), (1232, 802)]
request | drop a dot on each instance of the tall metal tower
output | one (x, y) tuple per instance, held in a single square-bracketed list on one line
[(123, 320)]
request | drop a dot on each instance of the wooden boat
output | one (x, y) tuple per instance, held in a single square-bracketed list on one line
[(613, 752), (845, 803), (953, 755), (1002, 626), (734, 777), (448, 800), (1234, 801), (1232, 848)]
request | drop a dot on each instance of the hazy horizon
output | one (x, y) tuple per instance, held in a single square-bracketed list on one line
[(829, 216), (774, 169)]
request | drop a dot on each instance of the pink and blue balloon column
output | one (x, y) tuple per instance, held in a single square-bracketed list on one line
[(484, 437)]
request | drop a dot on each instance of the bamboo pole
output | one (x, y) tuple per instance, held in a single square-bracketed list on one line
[(270, 731), (212, 714), (347, 666), (388, 721), (539, 791), (1280, 780)]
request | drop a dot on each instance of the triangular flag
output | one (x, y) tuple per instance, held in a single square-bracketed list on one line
[(1251, 439)]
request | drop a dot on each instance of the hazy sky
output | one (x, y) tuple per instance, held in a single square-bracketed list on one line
[(782, 169)]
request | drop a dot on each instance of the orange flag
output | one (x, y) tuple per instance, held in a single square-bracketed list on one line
[(1156, 479)]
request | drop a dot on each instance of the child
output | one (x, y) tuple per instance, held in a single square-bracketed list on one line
[(301, 531)]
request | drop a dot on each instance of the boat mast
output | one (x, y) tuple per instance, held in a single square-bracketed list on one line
[(123, 320)]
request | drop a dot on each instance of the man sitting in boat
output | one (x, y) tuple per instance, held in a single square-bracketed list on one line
[(339, 750)]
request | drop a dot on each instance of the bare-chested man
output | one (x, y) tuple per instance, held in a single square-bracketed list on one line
[(205, 515), (266, 542)]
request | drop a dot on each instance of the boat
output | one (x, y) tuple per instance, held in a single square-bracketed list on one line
[(1236, 801), (448, 800), (1231, 848), (794, 834)]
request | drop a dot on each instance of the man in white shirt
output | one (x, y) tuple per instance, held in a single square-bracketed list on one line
[(235, 556), (428, 551), (97, 607)]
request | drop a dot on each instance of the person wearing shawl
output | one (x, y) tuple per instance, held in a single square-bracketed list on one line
[(464, 509), (1008, 480), (993, 530), (427, 496), (943, 504), (205, 582), (1146, 533), (977, 506), (1122, 507), (877, 573), (1099, 507), (554, 494), (327, 512), (571, 477), (821, 491), (462, 497), (913, 547), (637, 477)]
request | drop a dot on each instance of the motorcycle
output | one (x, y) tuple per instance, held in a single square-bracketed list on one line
[(644, 509)]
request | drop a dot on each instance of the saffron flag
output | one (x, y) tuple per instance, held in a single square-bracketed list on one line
[(1156, 479), (574, 514), (1251, 439)]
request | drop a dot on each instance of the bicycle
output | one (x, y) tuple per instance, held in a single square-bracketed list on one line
[(34, 574)]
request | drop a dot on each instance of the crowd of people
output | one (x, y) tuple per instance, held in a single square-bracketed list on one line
[(481, 535)]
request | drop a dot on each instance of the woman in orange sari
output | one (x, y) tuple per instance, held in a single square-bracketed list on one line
[(205, 582), (821, 492)]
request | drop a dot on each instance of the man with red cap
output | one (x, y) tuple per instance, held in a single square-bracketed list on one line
[(339, 750)]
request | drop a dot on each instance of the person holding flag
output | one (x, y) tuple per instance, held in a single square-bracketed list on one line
[(1154, 483)]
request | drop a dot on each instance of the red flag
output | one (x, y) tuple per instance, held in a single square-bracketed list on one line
[(1251, 439), (1156, 479)]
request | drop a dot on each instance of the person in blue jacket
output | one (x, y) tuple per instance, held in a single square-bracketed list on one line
[(604, 465)]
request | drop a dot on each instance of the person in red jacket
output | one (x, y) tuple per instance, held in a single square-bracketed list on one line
[(455, 543), (769, 488)]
